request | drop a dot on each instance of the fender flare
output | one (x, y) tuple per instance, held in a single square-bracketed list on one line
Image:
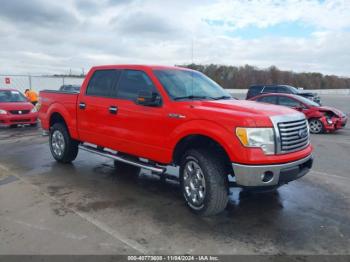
[(69, 120), (212, 130)]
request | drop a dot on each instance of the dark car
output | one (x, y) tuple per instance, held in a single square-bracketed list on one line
[(255, 90), (70, 88), (321, 118)]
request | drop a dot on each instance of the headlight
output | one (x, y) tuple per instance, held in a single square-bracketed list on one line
[(3, 112), (329, 121), (263, 138), (34, 110)]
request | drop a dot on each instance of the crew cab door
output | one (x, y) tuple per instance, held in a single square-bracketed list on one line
[(143, 129), (97, 110)]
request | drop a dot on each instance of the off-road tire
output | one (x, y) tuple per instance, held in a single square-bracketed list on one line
[(71, 149), (216, 181)]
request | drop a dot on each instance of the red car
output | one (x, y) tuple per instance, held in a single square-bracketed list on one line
[(155, 116), (15, 109), (321, 118)]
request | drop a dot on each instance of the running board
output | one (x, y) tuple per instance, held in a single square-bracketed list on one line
[(153, 168)]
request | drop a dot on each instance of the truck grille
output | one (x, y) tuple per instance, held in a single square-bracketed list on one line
[(294, 135)]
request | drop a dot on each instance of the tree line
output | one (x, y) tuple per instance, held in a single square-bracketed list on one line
[(233, 77)]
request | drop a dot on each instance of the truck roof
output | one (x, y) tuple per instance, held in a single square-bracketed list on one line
[(140, 67)]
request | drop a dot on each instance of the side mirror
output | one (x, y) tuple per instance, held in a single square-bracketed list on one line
[(148, 99)]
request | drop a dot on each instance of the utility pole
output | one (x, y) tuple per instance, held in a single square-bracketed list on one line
[(30, 81)]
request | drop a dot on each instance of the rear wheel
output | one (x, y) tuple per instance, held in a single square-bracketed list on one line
[(63, 148), (204, 182), (316, 126)]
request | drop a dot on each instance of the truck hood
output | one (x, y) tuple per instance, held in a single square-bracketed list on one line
[(253, 113)]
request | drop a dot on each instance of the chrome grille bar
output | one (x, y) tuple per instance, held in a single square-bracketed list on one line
[(291, 132)]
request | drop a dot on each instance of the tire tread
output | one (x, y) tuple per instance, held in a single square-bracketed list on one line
[(217, 182), (71, 149)]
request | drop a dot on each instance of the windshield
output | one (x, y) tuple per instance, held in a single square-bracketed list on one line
[(11, 96), (183, 84), (307, 101)]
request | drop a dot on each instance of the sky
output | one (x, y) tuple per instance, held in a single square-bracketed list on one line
[(45, 37)]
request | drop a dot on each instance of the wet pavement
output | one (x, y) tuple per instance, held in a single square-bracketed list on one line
[(88, 208)]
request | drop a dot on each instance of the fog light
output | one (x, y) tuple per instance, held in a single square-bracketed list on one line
[(267, 176)]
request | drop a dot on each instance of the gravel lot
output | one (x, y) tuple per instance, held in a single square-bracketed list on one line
[(86, 208)]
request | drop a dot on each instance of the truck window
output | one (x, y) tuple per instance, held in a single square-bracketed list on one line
[(132, 82), (269, 89), (102, 83), (254, 90), (283, 89)]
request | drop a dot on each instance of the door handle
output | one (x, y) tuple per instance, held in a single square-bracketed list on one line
[(82, 105), (113, 110)]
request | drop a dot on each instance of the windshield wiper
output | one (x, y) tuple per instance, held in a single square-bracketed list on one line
[(221, 97), (192, 97)]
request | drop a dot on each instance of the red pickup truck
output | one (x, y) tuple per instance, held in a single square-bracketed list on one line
[(155, 116)]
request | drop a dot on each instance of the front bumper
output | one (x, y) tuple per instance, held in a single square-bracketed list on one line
[(271, 175), (10, 119), (337, 123)]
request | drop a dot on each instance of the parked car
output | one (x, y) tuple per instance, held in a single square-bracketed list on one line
[(321, 118), (155, 116), (255, 90), (70, 88), (16, 109)]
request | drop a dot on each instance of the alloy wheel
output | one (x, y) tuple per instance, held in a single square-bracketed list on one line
[(315, 126), (58, 143), (194, 183)]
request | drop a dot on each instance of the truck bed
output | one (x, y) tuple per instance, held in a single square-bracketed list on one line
[(63, 102)]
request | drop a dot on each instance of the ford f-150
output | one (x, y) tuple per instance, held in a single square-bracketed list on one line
[(155, 116)]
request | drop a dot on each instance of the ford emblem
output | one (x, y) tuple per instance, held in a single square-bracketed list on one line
[(302, 133)]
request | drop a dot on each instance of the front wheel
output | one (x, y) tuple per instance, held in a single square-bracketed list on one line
[(316, 126), (204, 182), (63, 148)]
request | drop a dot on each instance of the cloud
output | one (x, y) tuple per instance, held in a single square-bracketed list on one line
[(144, 24), (53, 36), (36, 13)]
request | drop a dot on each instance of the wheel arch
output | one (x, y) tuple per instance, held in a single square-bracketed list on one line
[(197, 141), (59, 114), (56, 117)]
